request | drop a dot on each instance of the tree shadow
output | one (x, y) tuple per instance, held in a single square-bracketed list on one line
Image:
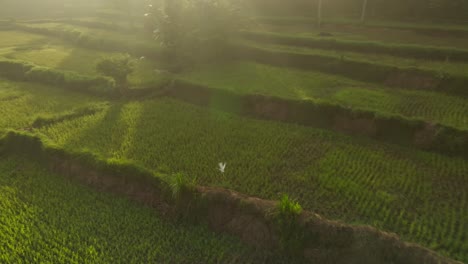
[(100, 136)]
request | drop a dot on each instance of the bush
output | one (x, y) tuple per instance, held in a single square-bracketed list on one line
[(21, 71), (117, 67), (286, 217), (181, 185), (14, 70)]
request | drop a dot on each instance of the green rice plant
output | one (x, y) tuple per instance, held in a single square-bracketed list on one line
[(28, 101), (416, 51), (181, 185), (286, 215), (340, 177), (44, 217), (253, 78)]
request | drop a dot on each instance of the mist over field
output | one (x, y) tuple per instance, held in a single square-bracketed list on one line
[(234, 131)]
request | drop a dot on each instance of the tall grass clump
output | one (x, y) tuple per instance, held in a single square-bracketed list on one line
[(181, 185), (286, 215)]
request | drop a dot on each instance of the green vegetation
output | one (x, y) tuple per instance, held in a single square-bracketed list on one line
[(46, 218), (254, 78), (22, 103), (118, 68), (94, 37), (418, 195), (181, 184), (286, 215), (337, 44), (348, 30), (381, 79), (56, 54), (440, 67)]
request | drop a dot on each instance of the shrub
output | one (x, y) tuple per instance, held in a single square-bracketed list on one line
[(45, 75), (181, 185), (117, 67), (286, 215), (14, 70)]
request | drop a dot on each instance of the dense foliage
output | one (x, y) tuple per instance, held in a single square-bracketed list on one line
[(194, 30), (118, 67)]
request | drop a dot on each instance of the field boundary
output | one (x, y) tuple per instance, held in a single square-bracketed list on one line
[(387, 128), (23, 71), (86, 40), (391, 76), (422, 29), (401, 50), (248, 218)]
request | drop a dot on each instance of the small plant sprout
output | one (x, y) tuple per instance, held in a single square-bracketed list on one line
[(222, 166)]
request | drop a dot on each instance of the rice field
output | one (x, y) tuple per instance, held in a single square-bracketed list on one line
[(441, 67), (421, 196), (381, 31), (253, 78), (21, 103), (57, 54), (135, 38), (45, 218)]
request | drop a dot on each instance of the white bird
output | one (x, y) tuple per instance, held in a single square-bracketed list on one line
[(142, 57), (222, 166)]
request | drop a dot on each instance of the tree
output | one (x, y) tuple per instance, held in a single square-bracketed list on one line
[(190, 31), (117, 67)]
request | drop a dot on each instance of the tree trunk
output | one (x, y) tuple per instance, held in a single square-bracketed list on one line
[(364, 10), (319, 14)]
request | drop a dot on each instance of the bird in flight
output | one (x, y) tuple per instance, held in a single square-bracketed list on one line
[(222, 166)]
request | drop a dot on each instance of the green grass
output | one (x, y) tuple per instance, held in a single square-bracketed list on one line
[(441, 67), (253, 78), (137, 38), (57, 54), (21, 103), (45, 218), (372, 32), (421, 196)]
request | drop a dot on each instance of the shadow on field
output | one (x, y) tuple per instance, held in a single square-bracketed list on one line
[(103, 136), (80, 60)]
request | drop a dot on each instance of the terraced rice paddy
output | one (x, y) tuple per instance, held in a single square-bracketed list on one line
[(254, 78), (442, 67), (398, 33), (57, 54), (22, 103), (135, 38), (412, 193), (421, 196), (45, 218)]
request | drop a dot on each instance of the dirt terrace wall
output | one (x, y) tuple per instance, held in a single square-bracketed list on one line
[(248, 218), (330, 43), (392, 129), (392, 76)]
